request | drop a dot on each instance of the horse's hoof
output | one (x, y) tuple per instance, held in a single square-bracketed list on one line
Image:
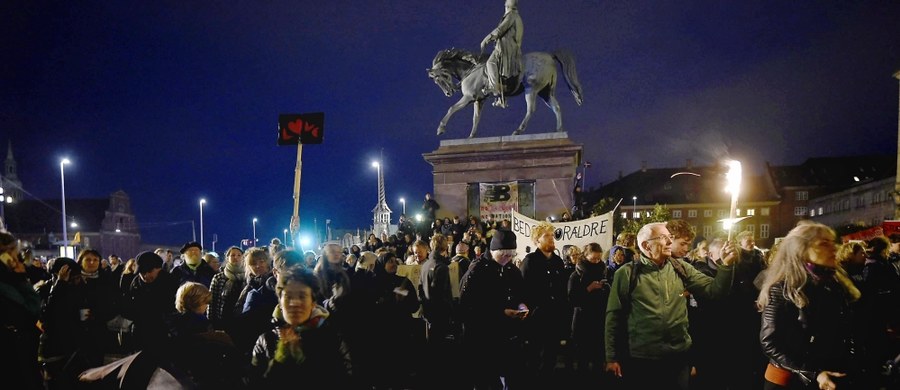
[(517, 132), (441, 130)]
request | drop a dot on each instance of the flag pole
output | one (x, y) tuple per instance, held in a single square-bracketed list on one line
[(295, 218)]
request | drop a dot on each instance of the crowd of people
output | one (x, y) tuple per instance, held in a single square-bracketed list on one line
[(661, 308)]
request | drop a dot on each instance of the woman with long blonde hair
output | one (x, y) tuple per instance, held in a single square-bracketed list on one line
[(806, 328)]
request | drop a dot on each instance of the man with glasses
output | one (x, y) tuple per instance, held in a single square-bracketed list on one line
[(647, 336)]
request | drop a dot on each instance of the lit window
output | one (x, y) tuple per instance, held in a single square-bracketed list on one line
[(625, 214), (707, 213), (802, 195), (692, 213), (800, 211), (764, 211), (764, 231), (820, 211), (751, 211), (676, 214), (737, 212), (707, 230)]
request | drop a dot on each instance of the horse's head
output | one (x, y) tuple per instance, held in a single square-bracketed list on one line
[(443, 79), (449, 66)]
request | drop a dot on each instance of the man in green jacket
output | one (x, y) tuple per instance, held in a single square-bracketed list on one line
[(647, 336)]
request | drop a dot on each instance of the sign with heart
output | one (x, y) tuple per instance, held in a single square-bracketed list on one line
[(304, 129)]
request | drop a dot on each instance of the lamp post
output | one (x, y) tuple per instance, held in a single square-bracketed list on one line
[(634, 207), (62, 181), (284, 237), (254, 232), (403, 202), (202, 202)]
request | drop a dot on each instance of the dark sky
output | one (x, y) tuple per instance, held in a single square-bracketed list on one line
[(172, 101)]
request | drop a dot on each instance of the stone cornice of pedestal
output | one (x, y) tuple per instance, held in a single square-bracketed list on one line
[(543, 146)]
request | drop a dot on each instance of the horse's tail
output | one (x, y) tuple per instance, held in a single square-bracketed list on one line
[(568, 64)]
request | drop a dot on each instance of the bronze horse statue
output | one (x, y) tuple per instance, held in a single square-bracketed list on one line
[(459, 70)]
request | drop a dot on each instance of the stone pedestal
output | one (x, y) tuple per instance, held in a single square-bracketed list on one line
[(548, 159)]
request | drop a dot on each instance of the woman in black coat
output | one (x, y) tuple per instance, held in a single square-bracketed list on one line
[(806, 324), (588, 293), (395, 302), (303, 349)]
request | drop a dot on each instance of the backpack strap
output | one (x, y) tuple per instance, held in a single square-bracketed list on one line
[(679, 270)]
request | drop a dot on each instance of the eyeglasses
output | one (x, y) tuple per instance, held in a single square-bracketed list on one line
[(662, 237)]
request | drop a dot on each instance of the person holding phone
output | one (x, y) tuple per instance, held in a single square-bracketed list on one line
[(588, 293), (492, 302)]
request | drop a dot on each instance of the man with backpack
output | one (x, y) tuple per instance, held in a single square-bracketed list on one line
[(647, 338)]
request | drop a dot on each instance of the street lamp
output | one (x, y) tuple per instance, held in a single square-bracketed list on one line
[(254, 232), (634, 207), (62, 181), (403, 202), (202, 202), (284, 237)]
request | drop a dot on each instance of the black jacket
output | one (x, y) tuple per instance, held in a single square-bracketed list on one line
[(812, 339), (589, 314), (436, 294), (486, 291), (546, 282), (326, 357), (203, 274)]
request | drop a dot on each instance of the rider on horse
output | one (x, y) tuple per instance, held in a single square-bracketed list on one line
[(505, 61)]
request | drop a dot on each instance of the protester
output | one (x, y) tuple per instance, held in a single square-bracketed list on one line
[(545, 293), (149, 302), (303, 346), (805, 313), (226, 287), (589, 293), (647, 336), (394, 305), (492, 299), (194, 268), (20, 306)]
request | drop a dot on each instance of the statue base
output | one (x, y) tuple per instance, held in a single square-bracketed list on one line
[(549, 161)]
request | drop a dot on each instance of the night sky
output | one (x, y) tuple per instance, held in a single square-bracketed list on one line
[(172, 101)]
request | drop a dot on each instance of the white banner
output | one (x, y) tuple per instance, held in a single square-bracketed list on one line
[(596, 229)]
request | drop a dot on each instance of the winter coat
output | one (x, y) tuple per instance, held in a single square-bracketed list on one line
[(435, 292), (324, 356), (64, 330), (657, 324), (224, 299), (486, 291), (546, 283), (20, 306), (589, 311), (203, 274), (149, 305), (812, 339)]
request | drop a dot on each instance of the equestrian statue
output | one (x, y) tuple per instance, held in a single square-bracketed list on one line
[(504, 73)]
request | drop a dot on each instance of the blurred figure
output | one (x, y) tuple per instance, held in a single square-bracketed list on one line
[(194, 268), (20, 306), (806, 329), (212, 259)]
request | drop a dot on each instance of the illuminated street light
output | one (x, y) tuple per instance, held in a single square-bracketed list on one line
[(403, 202), (202, 202), (254, 231), (634, 207), (62, 181)]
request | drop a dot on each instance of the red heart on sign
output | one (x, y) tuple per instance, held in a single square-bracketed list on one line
[(296, 126)]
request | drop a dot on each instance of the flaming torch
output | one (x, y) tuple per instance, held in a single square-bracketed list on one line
[(734, 188)]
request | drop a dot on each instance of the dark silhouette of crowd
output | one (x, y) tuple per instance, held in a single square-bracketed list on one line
[(451, 306)]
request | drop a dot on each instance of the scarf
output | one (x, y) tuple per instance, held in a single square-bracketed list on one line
[(91, 275), (294, 351), (234, 274)]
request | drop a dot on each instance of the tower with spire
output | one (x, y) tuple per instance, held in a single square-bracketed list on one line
[(11, 184), (381, 219)]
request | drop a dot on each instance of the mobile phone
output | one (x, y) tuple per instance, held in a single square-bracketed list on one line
[(401, 291)]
